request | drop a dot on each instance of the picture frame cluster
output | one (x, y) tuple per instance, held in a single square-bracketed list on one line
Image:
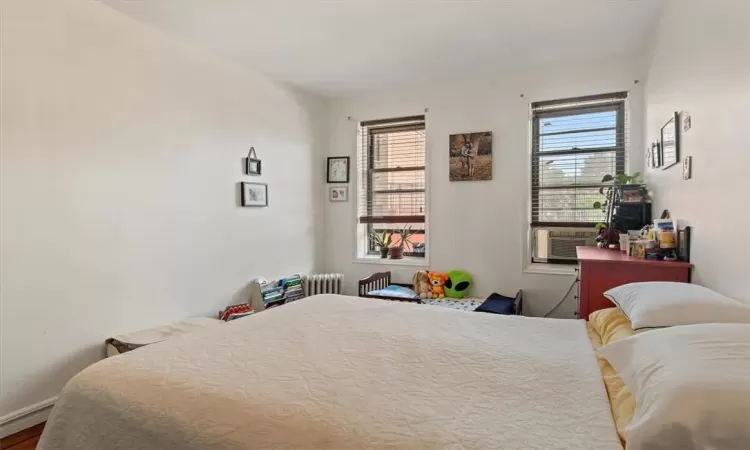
[(667, 151), (253, 195), (337, 172)]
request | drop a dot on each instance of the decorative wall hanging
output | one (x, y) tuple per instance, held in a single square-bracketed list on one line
[(338, 169), (655, 155), (670, 142), (338, 194), (687, 168), (470, 156), (254, 194), (252, 163)]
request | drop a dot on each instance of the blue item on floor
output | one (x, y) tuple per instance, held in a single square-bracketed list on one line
[(499, 304)]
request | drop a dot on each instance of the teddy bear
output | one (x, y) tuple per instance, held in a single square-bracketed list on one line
[(422, 285), (438, 284)]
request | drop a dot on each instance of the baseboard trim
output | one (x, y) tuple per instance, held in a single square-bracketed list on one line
[(26, 417)]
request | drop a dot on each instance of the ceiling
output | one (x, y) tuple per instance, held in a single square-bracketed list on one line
[(343, 46)]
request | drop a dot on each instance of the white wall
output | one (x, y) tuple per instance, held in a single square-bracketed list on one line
[(701, 64), (477, 226), (121, 154)]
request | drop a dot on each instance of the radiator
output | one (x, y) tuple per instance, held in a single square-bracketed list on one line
[(326, 283)]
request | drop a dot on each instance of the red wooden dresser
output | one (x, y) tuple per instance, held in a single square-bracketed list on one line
[(601, 270)]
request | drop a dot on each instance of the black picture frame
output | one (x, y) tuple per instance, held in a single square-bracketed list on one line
[(247, 202), (670, 142), (252, 166), (656, 155), (331, 159), (252, 163)]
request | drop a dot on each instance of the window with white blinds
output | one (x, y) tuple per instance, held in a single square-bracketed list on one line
[(391, 167), (575, 143)]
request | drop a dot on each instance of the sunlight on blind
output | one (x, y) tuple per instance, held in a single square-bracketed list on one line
[(575, 143), (391, 169)]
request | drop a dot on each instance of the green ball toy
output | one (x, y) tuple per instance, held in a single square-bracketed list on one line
[(458, 284)]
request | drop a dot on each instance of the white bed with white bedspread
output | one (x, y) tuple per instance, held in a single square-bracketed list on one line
[(339, 372)]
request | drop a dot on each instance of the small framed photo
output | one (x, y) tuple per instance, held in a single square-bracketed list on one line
[(687, 122), (656, 155), (252, 163), (252, 166), (254, 194), (687, 168), (670, 142), (338, 193), (338, 169)]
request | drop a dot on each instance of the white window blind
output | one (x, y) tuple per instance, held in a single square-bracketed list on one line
[(391, 167), (575, 143)]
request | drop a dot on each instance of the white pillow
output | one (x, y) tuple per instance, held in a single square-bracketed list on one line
[(665, 304), (691, 386)]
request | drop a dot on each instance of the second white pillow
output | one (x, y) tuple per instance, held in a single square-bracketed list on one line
[(665, 304), (691, 386)]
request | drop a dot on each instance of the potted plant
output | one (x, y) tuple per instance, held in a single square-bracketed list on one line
[(397, 251), (621, 182), (606, 236), (382, 241), (621, 189)]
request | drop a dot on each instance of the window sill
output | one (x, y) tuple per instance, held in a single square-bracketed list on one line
[(551, 269), (417, 262)]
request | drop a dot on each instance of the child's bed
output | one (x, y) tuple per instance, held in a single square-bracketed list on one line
[(376, 286), (372, 287)]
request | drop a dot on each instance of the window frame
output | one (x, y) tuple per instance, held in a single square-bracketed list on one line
[(573, 106), (619, 149), (375, 128)]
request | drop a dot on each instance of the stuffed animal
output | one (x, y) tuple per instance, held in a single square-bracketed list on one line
[(438, 282), (458, 284), (422, 285)]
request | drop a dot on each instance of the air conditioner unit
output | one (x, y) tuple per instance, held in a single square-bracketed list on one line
[(561, 243)]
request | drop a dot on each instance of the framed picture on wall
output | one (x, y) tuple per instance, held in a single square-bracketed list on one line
[(252, 163), (252, 166), (338, 194), (670, 142), (338, 169), (470, 156), (655, 155), (254, 194)]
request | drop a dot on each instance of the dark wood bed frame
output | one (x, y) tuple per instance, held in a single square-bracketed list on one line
[(382, 280)]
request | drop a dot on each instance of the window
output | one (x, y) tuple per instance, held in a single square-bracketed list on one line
[(392, 183), (575, 143)]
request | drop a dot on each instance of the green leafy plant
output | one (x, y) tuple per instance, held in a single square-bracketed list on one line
[(382, 240), (616, 182), (406, 233)]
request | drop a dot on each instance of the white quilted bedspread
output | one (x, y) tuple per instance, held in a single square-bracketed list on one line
[(332, 372)]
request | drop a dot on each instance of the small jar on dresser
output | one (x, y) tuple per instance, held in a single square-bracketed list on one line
[(602, 269)]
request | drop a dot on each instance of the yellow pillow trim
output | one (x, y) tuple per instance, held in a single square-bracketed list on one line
[(612, 325)]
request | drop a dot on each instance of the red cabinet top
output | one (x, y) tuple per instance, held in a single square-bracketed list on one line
[(603, 255)]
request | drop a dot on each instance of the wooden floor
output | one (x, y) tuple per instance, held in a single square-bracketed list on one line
[(23, 440)]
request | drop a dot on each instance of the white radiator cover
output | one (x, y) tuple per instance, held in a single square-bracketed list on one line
[(326, 283)]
